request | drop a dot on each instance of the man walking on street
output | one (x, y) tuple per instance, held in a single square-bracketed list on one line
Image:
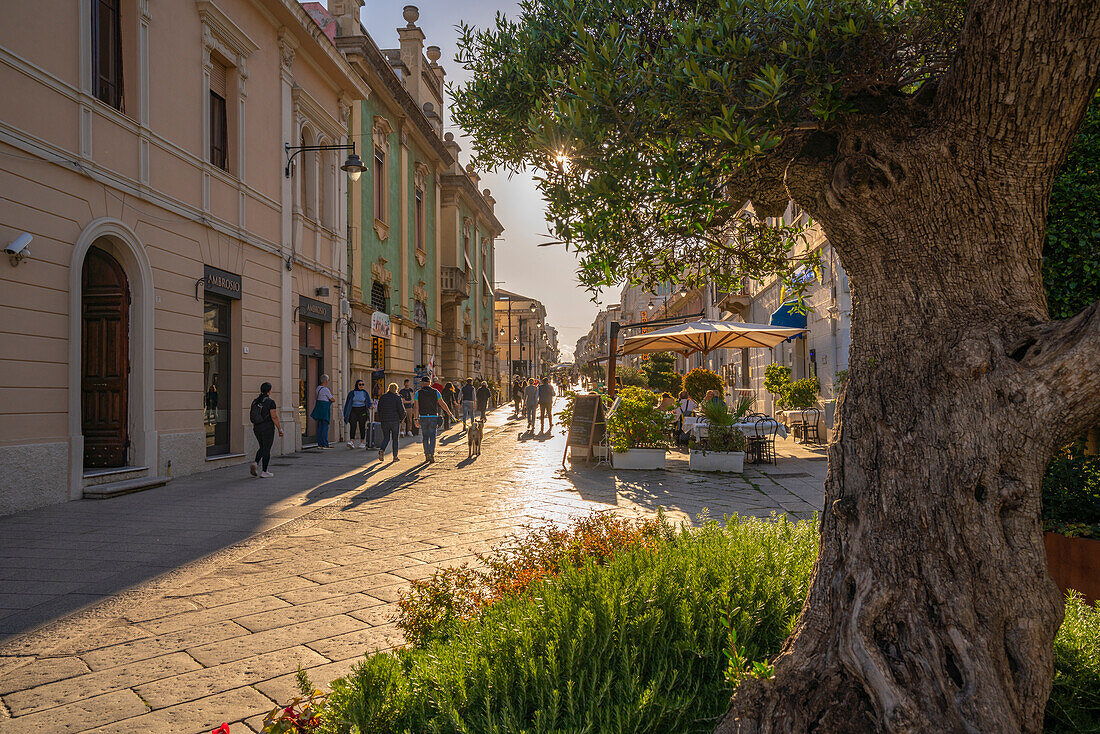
[(390, 411), (546, 405), (265, 421), (484, 393), (531, 403), (428, 404), (517, 395), (407, 400), (469, 398)]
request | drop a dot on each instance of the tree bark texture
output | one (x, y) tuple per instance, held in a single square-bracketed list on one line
[(930, 608)]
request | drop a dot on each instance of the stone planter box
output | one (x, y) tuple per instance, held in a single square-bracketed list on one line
[(732, 461), (1074, 563), (639, 459)]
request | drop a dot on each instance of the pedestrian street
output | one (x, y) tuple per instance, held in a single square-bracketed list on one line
[(182, 607)]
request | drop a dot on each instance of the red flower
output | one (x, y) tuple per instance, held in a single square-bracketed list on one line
[(223, 729)]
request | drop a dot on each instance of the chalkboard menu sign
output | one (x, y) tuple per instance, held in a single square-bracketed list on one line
[(587, 428)]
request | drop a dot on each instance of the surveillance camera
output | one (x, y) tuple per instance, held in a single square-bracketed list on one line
[(18, 244), (17, 249)]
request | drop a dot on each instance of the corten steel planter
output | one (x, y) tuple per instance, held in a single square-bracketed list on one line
[(1074, 563), (731, 461)]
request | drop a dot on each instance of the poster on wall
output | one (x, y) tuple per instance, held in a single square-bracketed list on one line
[(380, 325), (420, 314)]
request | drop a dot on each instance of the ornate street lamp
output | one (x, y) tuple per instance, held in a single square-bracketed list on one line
[(353, 165)]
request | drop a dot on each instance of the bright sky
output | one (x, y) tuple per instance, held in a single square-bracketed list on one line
[(545, 273)]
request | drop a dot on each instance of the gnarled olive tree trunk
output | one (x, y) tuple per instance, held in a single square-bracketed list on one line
[(931, 609)]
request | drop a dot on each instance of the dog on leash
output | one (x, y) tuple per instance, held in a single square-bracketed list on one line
[(473, 438)]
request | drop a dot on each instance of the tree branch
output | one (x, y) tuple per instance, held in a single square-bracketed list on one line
[(1024, 72), (1065, 356)]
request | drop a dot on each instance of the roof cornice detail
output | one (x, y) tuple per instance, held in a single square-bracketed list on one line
[(462, 181), (365, 46)]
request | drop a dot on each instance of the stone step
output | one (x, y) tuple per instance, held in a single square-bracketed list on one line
[(114, 489)]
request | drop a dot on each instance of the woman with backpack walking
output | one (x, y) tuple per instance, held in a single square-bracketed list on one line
[(357, 412), (265, 421)]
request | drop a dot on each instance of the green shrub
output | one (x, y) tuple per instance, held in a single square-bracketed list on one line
[(662, 375), (776, 378), (632, 377), (721, 434), (635, 645), (840, 379), (1074, 703), (1071, 493), (638, 422), (800, 394), (699, 380), (430, 608)]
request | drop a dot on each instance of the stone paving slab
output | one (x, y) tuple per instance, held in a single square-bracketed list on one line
[(217, 635)]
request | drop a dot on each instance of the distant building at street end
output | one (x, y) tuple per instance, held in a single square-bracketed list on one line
[(527, 343)]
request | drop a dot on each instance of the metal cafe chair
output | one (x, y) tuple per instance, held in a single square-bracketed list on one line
[(811, 417), (763, 443)]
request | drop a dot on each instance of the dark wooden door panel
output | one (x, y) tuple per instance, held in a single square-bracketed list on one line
[(105, 308)]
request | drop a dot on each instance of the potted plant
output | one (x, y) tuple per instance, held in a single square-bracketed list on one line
[(1071, 519), (724, 448), (638, 430), (699, 381)]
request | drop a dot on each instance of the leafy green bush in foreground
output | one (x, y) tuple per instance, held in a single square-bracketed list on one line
[(1074, 703), (639, 644), (635, 645)]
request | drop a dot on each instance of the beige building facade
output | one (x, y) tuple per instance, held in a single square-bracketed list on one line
[(174, 265)]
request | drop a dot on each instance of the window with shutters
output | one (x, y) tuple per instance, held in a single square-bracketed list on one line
[(219, 121), (421, 216), (107, 52), (379, 184)]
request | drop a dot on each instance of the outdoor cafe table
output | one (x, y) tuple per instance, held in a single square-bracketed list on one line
[(698, 428)]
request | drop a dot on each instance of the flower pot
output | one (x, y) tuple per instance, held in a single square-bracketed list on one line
[(733, 461), (1074, 563), (639, 459)]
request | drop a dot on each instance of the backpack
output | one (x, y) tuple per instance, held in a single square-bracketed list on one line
[(259, 412)]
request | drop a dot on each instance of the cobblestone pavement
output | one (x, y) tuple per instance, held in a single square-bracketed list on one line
[(183, 607)]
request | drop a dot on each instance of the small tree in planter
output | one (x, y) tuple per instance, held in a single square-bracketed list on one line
[(638, 430), (662, 374), (725, 445), (801, 394), (776, 379), (699, 380)]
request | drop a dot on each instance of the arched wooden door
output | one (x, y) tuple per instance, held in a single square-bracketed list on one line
[(105, 360)]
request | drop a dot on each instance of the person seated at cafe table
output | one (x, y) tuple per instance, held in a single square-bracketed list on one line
[(668, 402), (713, 398)]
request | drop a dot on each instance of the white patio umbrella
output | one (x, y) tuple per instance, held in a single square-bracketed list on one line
[(706, 336)]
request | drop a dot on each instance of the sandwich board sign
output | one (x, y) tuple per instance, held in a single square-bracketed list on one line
[(587, 428)]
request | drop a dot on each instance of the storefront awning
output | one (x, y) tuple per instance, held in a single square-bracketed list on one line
[(787, 317)]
